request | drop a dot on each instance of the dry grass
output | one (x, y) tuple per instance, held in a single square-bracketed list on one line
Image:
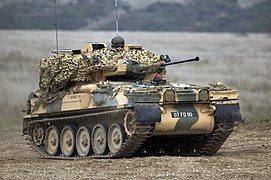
[(240, 61)]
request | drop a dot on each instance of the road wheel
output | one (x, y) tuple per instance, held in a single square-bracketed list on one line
[(83, 143), (52, 140), (67, 141), (99, 139), (116, 137)]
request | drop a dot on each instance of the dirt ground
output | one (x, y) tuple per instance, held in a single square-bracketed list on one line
[(245, 155)]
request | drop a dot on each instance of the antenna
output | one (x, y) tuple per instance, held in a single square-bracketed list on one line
[(56, 27), (117, 23)]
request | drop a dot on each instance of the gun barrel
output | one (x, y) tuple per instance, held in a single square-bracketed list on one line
[(184, 61), (62, 51)]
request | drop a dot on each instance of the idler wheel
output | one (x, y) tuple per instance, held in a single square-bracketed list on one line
[(67, 141), (52, 140), (83, 143), (38, 134), (99, 139), (116, 137), (129, 123)]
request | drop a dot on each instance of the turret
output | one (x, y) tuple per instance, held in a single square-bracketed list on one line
[(132, 70)]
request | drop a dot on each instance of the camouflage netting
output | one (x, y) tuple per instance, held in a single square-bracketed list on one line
[(57, 71)]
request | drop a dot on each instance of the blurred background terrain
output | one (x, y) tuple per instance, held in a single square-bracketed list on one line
[(138, 15), (231, 37)]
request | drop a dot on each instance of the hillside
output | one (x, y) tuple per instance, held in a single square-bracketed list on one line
[(153, 15)]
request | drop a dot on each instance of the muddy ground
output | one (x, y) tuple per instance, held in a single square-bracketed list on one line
[(245, 155)]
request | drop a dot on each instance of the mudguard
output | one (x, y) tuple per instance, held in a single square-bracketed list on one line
[(228, 113), (147, 113)]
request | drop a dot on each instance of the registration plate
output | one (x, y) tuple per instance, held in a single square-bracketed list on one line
[(183, 114)]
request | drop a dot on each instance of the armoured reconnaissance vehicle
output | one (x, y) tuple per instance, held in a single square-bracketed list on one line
[(110, 103)]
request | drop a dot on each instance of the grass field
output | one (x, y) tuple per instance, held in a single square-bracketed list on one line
[(241, 61)]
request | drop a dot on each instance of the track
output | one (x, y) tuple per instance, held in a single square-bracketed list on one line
[(128, 148), (210, 144), (135, 143), (188, 146)]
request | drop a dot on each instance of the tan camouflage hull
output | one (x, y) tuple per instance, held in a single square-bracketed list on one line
[(185, 119), (151, 113)]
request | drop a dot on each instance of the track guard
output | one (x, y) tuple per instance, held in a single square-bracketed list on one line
[(147, 113), (228, 113)]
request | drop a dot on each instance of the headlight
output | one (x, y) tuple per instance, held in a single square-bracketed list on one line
[(204, 95), (169, 96)]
